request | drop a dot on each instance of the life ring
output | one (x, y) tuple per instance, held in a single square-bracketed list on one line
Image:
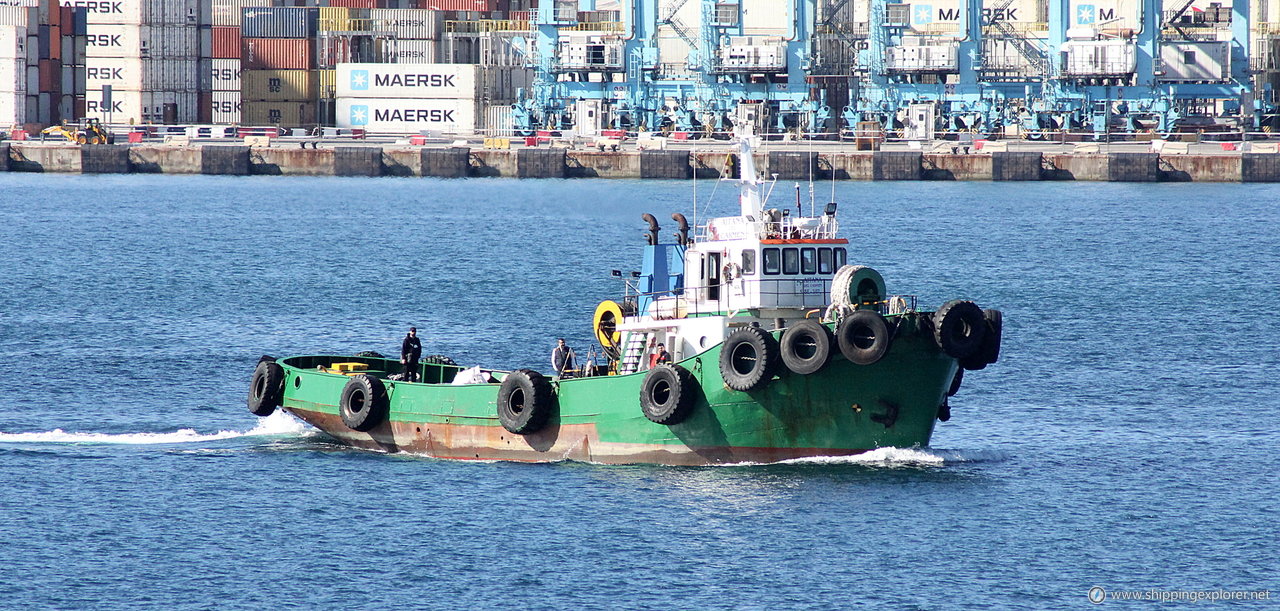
[(266, 388), (989, 351), (667, 394), (959, 328), (863, 337), (524, 401), (364, 402), (605, 323), (806, 347), (730, 271), (748, 359)]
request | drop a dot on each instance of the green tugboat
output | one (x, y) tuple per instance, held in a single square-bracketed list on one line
[(779, 350)]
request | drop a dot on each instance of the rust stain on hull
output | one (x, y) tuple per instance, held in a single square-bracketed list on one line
[(557, 442)]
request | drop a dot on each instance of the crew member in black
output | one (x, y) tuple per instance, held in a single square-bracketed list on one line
[(410, 352), (662, 355), (562, 358)]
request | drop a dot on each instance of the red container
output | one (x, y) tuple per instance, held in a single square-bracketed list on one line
[(277, 54), (204, 108), (51, 77), (459, 5), (226, 42)]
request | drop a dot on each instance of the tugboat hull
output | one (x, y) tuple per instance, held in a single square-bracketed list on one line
[(843, 409)]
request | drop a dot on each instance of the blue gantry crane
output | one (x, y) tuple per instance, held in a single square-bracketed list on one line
[(686, 65), (699, 66)]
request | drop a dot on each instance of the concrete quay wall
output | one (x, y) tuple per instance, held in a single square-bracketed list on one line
[(460, 162)]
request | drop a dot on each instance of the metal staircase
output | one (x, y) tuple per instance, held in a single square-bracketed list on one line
[(633, 353)]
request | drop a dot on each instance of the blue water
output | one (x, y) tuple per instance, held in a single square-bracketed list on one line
[(1126, 439)]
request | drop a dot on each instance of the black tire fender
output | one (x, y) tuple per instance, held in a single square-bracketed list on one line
[(989, 351), (748, 359), (959, 328), (364, 403), (667, 395), (806, 347), (266, 388), (525, 401), (864, 337)]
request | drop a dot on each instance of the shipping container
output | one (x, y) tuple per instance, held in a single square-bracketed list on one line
[(277, 54), (143, 74), (13, 75), (340, 19), (141, 41), (224, 42), (139, 107), (13, 108), (430, 81), (408, 24), (394, 51), (13, 42), (279, 85), (278, 22), (328, 80), (278, 114), (365, 4), (138, 12), (227, 12), (483, 6), (220, 75), (225, 106), (19, 15), (74, 49), (408, 116)]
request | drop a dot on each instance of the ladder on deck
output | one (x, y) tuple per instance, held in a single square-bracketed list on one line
[(633, 353)]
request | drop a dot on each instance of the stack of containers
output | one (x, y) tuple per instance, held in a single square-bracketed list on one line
[(30, 64), (279, 83), (220, 49), (147, 51), (13, 65), (74, 42), (416, 98), (414, 35)]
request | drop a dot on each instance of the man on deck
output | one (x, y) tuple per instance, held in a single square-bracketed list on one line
[(410, 352), (562, 358)]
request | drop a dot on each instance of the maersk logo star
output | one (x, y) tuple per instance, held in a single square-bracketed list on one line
[(923, 14), (1085, 14), (359, 115), (360, 80)]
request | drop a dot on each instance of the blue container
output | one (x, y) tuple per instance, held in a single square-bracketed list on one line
[(80, 21), (278, 22)]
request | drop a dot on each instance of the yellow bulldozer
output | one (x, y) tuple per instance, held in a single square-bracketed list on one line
[(91, 132)]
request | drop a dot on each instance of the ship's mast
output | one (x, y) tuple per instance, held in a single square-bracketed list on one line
[(749, 198)]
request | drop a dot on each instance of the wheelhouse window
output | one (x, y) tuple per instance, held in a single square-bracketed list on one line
[(791, 261), (748, 262), (841, 257), (808, 261), (824, 261), (772, 261)]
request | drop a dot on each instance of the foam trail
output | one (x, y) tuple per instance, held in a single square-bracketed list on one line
[(278, 423), (904, 457)]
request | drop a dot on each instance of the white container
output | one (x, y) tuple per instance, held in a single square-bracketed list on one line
[(144, 74), (220, 75), (408, 24), (405, 51), (13, 108), (138, 12), (141, 106), (13, 42), (141, 41), (408, 116), (226, 106), (13, 75), (18, 15), (438, 81), (227, 12)]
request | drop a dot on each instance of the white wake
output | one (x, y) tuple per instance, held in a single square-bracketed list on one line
[(904, 457), (278, 423)]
